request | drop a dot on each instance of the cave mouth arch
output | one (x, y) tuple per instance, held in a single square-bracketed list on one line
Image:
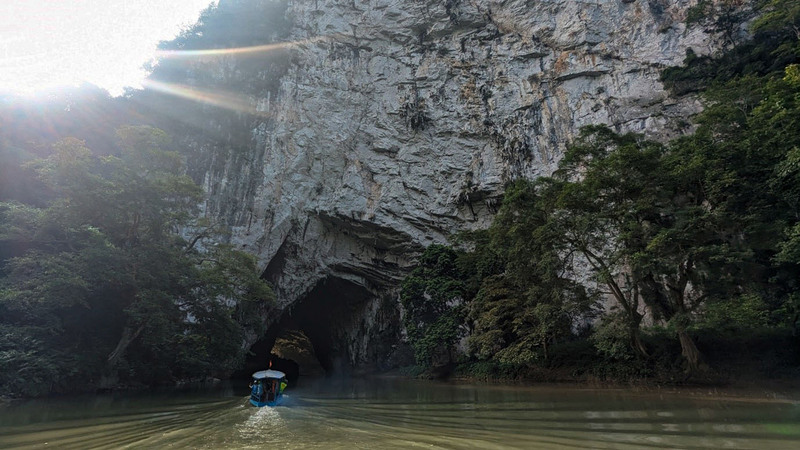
[(326, 319)]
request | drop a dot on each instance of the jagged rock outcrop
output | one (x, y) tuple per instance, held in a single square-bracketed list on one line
[(397, 123)]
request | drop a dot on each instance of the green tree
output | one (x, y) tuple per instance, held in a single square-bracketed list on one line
[(605, 202), (528, 301), (773, 45), (433, 301), (781, 17), (776, 132), (645, 229), (104, 281), (740, 166)]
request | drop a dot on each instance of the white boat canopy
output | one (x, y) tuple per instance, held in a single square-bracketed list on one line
[(268, 374)]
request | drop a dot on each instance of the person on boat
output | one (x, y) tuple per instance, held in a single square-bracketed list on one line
[(258, 390)]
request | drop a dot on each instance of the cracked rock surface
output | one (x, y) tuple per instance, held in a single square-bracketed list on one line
[(398, 122)]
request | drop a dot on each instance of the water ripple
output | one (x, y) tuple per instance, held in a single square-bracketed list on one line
[(401, 415)]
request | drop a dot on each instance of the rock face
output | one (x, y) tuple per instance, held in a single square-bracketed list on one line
[(398, 122)]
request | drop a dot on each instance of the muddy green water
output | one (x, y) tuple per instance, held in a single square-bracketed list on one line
[(396, 413)]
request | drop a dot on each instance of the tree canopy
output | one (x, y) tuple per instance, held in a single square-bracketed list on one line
[(103, 286)]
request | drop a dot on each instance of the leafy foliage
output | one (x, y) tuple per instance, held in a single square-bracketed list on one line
[(782, 18), (528, 302), (432, 296), (102, 287), (774, 45)]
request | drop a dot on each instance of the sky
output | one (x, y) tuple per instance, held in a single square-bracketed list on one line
[(49, 43)]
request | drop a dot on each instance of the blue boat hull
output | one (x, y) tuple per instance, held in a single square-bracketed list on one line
[(275, 402)]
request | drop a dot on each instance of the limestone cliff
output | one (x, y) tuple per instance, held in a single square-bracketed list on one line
[(397, 122)]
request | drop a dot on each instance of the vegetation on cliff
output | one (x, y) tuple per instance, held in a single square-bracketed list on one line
[(112, 279), (691, 245)]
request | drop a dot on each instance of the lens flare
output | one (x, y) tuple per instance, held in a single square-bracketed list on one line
[(222, 99), (239, 51), (228, 100)]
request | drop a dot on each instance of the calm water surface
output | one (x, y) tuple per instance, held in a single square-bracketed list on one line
[(396, 413)]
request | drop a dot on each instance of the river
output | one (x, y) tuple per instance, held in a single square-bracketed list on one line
[(399, 413)]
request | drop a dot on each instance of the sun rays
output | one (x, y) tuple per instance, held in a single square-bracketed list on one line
[(228, 100), (233, 101), (239, 51)]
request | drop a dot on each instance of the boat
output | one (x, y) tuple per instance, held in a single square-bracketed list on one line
[(267, 387)]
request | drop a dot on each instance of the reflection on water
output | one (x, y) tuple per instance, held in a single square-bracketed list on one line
[(390, 413)]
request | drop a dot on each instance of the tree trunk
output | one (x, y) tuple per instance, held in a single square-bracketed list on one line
[(128, 336), (689, 351), (636, 342), (635, 333)]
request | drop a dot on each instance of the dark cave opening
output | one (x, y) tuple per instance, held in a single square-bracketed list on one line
[(310, 339)]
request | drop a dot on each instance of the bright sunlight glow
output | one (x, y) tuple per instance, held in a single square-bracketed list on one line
[(49, 43)]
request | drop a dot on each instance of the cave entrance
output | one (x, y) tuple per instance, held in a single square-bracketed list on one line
[(311, 338), (294, 345)]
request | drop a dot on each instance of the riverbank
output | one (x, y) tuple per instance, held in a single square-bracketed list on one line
[(784, 390), (763, 364)]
